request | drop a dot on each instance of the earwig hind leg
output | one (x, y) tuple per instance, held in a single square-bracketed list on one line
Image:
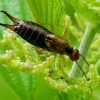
[(44, 24), (63, 27)]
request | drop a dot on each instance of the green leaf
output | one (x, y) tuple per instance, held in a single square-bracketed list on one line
[(44, 76)]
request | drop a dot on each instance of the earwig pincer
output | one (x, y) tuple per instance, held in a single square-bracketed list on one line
[(43, 38)]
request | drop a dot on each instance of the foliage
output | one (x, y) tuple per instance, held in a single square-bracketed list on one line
[(34, 73)]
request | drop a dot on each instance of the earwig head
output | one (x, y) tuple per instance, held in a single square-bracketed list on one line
[(12, 18), (74, 55)]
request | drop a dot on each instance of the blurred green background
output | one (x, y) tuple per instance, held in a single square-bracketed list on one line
[(13, 91)]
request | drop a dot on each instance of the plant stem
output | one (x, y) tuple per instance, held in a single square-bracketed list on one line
[(84, 47)]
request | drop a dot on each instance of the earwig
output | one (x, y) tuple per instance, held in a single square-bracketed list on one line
[(43, 38)]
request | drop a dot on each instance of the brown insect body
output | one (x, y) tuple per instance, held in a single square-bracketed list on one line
[(31, 32), (41, 37)]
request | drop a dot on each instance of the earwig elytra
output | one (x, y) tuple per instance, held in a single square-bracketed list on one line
[(43, 38)]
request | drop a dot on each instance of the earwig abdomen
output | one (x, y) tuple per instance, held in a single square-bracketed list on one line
[(32, 32)]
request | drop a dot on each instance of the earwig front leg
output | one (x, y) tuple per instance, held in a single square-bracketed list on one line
[(64, 61), (44, 24)]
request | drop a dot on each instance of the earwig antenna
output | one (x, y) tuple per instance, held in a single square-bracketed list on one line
[(84, 59), (81, 70)]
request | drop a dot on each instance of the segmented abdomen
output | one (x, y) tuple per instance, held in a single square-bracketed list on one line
[(33, 33)]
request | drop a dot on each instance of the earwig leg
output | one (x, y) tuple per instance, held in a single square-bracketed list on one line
[(65, 29), (52, 27), (58, 23), (65, 33), (37, 19), (44, 24), (64, 36), (64, 61)]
